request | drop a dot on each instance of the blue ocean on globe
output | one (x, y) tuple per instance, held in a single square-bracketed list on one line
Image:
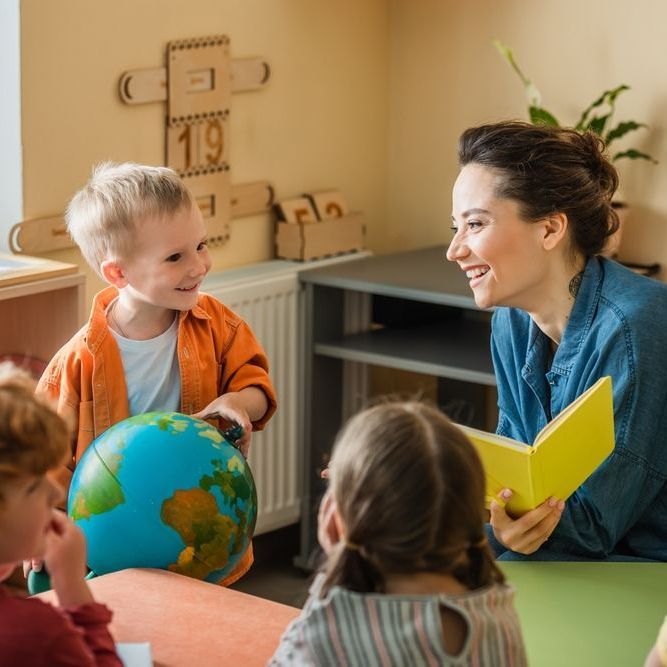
[(164, 490)]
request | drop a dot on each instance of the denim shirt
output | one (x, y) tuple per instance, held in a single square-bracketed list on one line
[(617, 327)]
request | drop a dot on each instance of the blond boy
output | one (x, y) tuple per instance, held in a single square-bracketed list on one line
[(153, 341)]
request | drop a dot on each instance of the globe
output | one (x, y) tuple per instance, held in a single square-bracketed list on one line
[(164, 490)]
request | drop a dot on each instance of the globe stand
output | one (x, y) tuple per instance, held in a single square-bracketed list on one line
[(39, 582)]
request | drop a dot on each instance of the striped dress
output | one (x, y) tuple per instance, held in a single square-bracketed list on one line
[(367, 630)]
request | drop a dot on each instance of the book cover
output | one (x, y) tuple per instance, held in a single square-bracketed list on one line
[(565, 452)]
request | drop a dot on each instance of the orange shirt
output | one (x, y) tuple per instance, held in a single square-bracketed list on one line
[(217, 353)]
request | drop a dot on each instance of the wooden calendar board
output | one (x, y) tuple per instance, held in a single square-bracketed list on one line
[(197, 85), (47, 234), (199, 76), (211, 189), (192, 145)]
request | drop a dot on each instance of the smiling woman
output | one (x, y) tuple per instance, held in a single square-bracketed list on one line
[(531, 212)]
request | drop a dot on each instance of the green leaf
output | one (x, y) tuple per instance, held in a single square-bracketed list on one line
[(532, 93), (540, 116), (597, 124), (634, 154), (621, 129), (608, 97)]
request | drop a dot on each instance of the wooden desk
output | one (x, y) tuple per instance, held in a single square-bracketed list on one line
[(190, 622), (573, 614), (589, 614)]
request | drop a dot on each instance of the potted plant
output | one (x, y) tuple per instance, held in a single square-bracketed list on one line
[(597, 117)]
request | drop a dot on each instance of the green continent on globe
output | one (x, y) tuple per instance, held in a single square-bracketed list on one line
[(173, 422), (102, 492), (233, 485), (207, 534), (210, 433)]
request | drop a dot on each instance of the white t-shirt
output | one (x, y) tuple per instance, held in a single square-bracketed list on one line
[(151, 371)]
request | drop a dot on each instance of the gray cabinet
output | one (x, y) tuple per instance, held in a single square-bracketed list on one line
[(421, 317)]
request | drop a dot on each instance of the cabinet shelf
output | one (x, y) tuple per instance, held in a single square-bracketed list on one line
[(457, 350), (410, 311)]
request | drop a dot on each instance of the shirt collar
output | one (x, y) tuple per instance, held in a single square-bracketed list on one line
[(97, 325), (98, 328), (197, 312)]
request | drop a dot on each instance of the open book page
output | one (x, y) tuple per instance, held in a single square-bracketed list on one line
[(135, 654), (565, 453), (596, 394), (575, 443)]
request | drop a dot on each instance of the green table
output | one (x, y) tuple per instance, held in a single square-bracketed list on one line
[(589, 614)]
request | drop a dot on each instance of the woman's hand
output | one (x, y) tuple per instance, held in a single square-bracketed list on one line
[(528, 533)]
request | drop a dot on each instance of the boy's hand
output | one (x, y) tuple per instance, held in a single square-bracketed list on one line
[(528, 533), (65, 559), (231, 407)]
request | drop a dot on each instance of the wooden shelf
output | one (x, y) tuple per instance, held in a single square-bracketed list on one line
[(40, 312), (411, 311), (20, 269), (458, 350)]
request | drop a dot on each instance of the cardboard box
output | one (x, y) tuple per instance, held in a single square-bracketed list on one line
[(320, 239)]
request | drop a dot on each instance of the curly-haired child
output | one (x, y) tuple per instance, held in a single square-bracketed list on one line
[(33, 443)]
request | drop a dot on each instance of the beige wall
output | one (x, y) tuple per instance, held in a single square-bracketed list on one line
[(446, 75), (366, 95), (321, 121)]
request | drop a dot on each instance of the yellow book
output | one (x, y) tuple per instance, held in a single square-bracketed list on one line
[(565, 452)]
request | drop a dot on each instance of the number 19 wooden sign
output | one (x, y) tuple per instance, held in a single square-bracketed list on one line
[(197, 144), (197, 86)]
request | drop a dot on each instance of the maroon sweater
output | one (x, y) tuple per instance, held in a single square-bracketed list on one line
[(35, 633)]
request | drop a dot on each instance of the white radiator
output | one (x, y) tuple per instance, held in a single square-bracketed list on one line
[(268, 297)]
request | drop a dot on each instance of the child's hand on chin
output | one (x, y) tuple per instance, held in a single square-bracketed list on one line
[(65, 559), (32, 564), (65, 548)]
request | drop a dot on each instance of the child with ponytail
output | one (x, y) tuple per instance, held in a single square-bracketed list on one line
[(408, 578)]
